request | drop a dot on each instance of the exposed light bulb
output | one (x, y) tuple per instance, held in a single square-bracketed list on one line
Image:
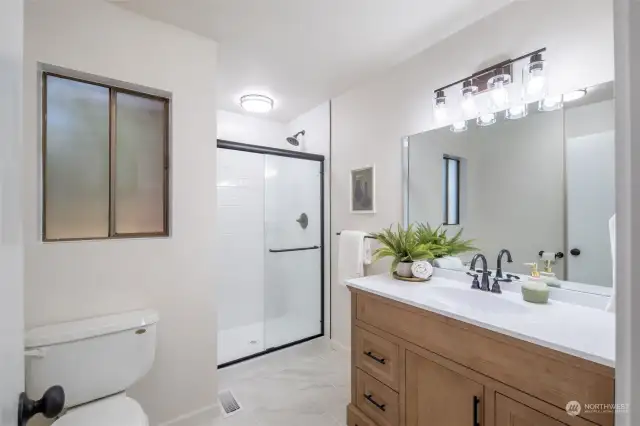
[(459, 126), (499, 94), (440, 106), (469, 106), (536, 85), (516, 112), (550, 103), (575, 95), (486, 119)]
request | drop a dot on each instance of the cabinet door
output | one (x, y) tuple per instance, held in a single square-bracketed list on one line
[(513, 413), (437, 396)]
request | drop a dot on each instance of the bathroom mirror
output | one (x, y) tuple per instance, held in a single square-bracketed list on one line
[(543, 183)]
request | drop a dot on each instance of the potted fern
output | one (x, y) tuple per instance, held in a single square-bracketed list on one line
[(443, 246), (404, 247)]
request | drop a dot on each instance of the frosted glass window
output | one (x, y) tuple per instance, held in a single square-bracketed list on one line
[(140, 164), (451, 190), (104, 161), (76, 168)]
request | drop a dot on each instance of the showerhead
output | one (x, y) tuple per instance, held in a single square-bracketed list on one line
[(293, 140)]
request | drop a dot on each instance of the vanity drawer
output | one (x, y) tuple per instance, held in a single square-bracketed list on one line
[(378, 357), (551, 376), (377, 401), (356, 418)]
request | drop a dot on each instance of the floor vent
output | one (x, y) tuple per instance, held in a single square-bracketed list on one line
[(229, 403)]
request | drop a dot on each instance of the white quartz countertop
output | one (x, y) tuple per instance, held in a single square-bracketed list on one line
[(585, 332)]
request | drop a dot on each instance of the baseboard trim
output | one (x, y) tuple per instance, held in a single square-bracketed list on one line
[(339, 346), (199, 417)]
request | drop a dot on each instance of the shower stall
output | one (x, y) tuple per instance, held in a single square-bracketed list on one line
[(270, 249)]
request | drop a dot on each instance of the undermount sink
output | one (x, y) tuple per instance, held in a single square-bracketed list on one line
[(476, 299)]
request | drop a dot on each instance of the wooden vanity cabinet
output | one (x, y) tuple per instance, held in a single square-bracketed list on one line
[(412, 367)]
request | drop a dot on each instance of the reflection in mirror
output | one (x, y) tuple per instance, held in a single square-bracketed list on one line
[(541, 186)]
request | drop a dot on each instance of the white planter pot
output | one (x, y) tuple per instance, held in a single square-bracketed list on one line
[(404, 269)]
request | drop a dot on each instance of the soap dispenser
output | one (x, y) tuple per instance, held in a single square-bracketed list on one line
[(535, 290), (547, 275)]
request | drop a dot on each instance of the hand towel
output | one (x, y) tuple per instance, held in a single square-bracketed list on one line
[(352, 255)]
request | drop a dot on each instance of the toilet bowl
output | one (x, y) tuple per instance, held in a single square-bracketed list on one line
[(95, 361)]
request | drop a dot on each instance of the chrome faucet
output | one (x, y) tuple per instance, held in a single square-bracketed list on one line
[(509, 259), (484, 286)]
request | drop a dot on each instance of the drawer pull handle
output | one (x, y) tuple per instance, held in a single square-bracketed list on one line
[(476, 403), (369, 398), (375, 358)]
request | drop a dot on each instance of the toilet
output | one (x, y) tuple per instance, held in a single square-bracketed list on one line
[(95, 361)]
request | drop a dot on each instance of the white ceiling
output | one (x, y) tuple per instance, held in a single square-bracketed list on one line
[(303, 52)]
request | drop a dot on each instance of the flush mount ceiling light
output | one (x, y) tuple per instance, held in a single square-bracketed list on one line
[(459, 126), (575, 95), (256, 103), (534, 78), (516, 112), (440, 105), (486, 119), (550, 103)]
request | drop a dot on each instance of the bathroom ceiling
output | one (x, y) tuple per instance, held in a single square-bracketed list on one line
[(303, 52)]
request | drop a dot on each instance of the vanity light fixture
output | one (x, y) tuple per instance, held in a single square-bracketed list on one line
[(550, 103), (575, 95), (440, 105), (534, 77), (469, 91), (459, 126), (256, 103), (485, 120), (516, 112), (499, 93), (499, 84)]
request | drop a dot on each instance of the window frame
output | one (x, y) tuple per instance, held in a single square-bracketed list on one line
[(113, 91), (446, 160)]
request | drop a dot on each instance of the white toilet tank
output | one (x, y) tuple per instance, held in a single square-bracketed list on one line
[(91, 358)]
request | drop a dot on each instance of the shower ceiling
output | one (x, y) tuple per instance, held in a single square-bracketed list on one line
[(302, 53)]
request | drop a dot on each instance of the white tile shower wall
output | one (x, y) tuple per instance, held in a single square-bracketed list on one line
[(369, 121), (240, 259), (176, 275)]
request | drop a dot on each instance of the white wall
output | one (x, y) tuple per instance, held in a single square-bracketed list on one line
[(175, 275), (369, 120), (252, 130), (11, 250), (627, 47)]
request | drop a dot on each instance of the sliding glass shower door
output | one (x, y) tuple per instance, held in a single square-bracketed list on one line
[(293, 255), (270, 218)]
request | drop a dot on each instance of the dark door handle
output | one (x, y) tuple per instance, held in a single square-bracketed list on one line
[(575, 252), (369, 398), (375, 358), (50, 405), (293, 249), (476, 404)]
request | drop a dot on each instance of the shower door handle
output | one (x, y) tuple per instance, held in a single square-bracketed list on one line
[(293, 249)]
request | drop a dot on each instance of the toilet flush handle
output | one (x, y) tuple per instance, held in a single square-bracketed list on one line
[(50, 405)]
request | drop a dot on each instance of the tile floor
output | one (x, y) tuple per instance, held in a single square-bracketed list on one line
[(306, 385)]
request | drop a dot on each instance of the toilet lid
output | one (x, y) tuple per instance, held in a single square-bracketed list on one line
[(113, 411)]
